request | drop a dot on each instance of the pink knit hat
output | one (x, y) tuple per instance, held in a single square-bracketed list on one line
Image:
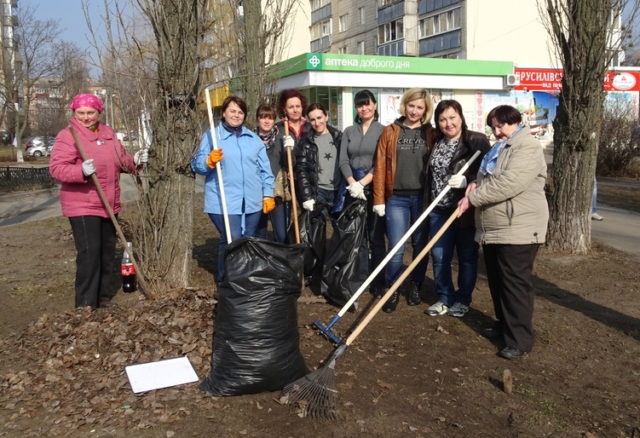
[(88, 100)]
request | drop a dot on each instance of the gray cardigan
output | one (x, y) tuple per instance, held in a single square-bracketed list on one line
[(358, 151), (511, 207)]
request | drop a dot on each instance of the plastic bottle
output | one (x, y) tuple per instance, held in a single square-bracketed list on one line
[(128, 271)]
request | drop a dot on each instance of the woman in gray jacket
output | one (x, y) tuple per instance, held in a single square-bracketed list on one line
[(511, 222)]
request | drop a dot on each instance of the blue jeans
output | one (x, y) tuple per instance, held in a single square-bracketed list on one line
[(462, 239), (594, 199), (251, 221), (401, 213), (278, 218)]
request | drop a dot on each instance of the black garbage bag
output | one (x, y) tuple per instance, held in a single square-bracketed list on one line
[(256, 343), (313, 225), (341, 268)]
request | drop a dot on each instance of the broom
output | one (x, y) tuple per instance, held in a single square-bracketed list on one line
[(315, 393)]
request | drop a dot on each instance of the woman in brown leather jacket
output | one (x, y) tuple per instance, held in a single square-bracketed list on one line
[(398, 185)]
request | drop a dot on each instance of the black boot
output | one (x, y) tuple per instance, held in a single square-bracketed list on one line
[(413, 297), (391, 303)]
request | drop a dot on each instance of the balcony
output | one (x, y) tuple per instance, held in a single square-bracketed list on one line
[(320, 14), (426, 6), (390, 12), (441, 42), (393, 48), (321, 44)]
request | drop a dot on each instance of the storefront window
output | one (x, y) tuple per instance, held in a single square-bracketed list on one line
[(330, 98)]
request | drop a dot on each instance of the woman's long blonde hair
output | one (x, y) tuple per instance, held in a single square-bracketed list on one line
[(415, 94)]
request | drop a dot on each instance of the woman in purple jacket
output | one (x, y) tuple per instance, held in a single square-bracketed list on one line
[(93, 232)]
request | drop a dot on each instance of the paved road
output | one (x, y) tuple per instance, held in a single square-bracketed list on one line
[(20, 207), (620, 229)]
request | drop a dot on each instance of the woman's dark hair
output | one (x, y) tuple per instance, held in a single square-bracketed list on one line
[(440, 108), (315, 106), (364, 97), (238, 101), (286, 95), (504, 114), (265, 110)]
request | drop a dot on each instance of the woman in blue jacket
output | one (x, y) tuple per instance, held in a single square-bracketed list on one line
[(246, 174)]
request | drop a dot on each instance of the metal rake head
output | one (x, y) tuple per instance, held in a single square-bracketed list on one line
[(314, 395)]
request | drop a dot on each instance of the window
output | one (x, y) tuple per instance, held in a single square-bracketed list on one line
[(321, 29), (361, 15), (360, 47), (343, 22), (383, 3), (342, 50), (440, 23), (391, 31)]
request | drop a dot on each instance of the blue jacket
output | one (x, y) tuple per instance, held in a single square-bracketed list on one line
[(246, 172)]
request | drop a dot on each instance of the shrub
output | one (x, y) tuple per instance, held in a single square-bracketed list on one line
[(619, 142)]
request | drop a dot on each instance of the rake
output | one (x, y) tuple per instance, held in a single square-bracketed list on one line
[(315, 393), (326, 330)]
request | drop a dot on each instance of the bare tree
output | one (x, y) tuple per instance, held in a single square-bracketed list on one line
[(587, 36), (36, 48), (167, 205)]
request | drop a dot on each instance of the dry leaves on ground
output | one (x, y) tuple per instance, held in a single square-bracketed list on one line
[(77, 359)]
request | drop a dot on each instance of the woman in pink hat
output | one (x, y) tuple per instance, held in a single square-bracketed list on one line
[(93, 232)]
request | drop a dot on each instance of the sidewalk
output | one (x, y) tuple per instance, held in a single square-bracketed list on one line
[(620, 229)]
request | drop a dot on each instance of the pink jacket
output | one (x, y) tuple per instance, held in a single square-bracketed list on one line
[(78, 195)]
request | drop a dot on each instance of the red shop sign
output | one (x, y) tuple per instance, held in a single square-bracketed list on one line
[(536, 79)]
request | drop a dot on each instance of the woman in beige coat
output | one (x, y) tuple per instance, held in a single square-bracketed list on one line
[(511, 222)]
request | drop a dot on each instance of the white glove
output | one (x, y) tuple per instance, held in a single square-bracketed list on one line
[(288, 142), (308, 205), (379, 209), (356, 190), (458, 182), (141, 157), (88, 168)]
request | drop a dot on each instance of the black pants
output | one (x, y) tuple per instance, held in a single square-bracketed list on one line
[(509, 272), (95, 239)]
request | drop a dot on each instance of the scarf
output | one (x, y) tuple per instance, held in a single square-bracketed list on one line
[(488, 165), (268, 138), (237, 130)]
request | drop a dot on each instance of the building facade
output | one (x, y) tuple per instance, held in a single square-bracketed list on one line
[(495, 30)]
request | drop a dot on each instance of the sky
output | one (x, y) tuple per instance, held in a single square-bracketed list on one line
[(69, 15)]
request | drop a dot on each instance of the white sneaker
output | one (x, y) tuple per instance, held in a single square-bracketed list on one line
[(596, 217), (458, 310), (436, 309)]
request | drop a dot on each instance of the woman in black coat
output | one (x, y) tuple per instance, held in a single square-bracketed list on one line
[(454, 145), (317, 171)]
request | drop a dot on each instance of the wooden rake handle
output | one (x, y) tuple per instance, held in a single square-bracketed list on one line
[(292, 187), (141, 281), (352, 337)]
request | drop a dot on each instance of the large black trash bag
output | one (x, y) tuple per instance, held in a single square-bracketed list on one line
[(255, 344), (313, 226), (340, 279)]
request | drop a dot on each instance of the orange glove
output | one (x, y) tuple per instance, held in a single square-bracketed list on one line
[(214, 157), (268, 204)]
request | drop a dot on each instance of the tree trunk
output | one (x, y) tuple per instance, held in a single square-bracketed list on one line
[(254, 50), (165, 222), (580, 30)]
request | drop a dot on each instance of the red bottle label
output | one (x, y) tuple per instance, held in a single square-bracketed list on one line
[(127, 270)]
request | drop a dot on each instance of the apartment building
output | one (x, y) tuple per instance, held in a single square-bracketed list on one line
[(494, 30)]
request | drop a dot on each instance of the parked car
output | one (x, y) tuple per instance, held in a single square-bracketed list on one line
[(39, 146)]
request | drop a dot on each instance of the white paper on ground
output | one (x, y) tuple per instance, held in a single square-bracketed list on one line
[(162, 374)]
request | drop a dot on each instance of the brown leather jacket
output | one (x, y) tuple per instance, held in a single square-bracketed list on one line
[(384, 171)]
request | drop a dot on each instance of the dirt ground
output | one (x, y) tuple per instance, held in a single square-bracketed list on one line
[(62, 371)]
